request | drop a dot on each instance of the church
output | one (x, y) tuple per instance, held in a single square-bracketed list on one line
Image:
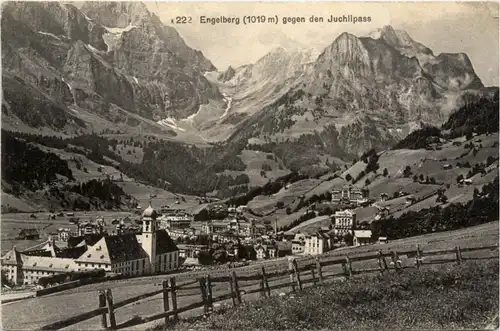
[(150, 252)]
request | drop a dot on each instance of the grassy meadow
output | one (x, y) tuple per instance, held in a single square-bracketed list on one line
[(438, 297)]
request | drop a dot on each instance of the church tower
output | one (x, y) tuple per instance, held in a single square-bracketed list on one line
[(148, 241)]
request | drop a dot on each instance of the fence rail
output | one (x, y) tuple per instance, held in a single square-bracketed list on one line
[(312, 270)]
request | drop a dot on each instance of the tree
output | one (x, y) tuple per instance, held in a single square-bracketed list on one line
[(407, 171), (367, 182), (348, 177), (460, 178), (415, 178), (442, 199), (205, 258), (349, 239), (385, 172), (469, 134)]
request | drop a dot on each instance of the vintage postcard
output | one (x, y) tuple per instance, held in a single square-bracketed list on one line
[(249, 165)]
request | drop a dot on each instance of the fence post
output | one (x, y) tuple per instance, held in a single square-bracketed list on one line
[(291, 272), (459, 255), (102, 304), (262, 286), (203, 295), (236, 287), (165, 298), (380, 264), (208, 284), (233, 293), (297, 274), (109, 300), (418, 259), (384, 262), (348, 266), (318, 266), (265, 283), (313, 274), (173, 289)]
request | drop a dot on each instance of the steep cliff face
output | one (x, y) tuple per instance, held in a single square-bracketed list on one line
[(371, 90), (114, 60)]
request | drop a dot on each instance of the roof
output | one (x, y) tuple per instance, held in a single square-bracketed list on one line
[(164, 243), (114, 249), (72, 252), (12, 257), (48, 263), (220, 223), (284, 246), (362, 233), (347, 211), (89, 238)]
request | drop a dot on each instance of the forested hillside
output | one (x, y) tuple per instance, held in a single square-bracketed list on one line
[(481, 209), (478, 116), (26, 166)]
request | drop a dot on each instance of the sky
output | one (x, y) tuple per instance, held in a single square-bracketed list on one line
[(444, 27)]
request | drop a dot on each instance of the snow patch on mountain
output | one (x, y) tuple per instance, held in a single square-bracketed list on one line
[(114, 35), (228, 100), (120, 30), (171, 123), (49, 34)]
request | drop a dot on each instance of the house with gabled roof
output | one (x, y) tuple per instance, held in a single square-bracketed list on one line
[(362, 237)]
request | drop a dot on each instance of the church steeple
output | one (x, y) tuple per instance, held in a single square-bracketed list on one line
[(148, 241)]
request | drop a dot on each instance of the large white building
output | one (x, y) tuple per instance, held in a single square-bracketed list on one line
[(150, 252), (345, 222), (317, 243)]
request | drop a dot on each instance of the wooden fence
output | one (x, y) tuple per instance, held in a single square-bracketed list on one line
[(295, 276)]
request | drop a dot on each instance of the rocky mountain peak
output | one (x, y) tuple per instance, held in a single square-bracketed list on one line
[(117, 14), (227, 75)]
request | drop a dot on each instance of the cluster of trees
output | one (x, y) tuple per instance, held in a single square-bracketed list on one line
[(479, 116), (187, 169), (106, 191), (419, 138), (301, 154), (268, 189), (71, 276), (218, 254), (481, 209), (24, 165), (424, 180)]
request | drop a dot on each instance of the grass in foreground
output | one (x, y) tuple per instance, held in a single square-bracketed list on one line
[(441, 297)]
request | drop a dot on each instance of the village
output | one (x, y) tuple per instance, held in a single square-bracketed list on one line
[(171, 239)]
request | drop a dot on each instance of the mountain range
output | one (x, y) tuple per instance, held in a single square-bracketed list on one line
[(114, 68)]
